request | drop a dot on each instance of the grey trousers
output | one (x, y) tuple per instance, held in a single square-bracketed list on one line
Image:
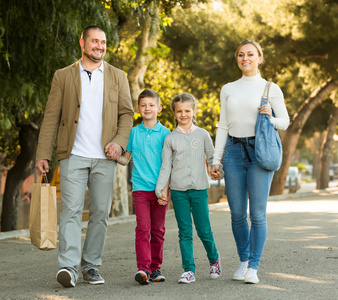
[(76, 174)]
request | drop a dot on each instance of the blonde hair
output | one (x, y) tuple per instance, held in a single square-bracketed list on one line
[(184, 98), (254, 43)]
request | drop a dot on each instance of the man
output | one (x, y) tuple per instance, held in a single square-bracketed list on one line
[(90, 109)]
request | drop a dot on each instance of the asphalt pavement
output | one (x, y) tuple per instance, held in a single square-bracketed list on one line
[(300, 260)]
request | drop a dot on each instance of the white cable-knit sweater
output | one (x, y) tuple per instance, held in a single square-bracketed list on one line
[(239, 110)]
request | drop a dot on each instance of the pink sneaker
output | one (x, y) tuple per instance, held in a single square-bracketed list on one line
[(187, 277), (215, 269)]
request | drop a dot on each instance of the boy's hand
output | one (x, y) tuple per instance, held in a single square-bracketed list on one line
[(162, 201)]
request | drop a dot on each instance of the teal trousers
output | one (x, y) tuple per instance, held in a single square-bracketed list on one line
[(195, 203)]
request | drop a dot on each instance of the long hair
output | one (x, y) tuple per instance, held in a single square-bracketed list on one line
[(184, 98)]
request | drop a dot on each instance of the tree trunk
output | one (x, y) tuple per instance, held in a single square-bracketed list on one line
[(292, 134), (324, 178), (24, 167), (120, 205), (150, 31)]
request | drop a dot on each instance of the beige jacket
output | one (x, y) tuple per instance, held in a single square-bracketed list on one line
[(63, 110)]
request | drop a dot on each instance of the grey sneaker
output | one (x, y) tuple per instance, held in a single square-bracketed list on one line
[(156, 276), (142, 277), (93, 277), (65, 277)]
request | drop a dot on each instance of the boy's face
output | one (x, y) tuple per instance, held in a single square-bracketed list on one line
[(148, 108)]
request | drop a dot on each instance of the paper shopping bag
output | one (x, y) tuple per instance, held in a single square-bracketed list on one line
[(43, 216)]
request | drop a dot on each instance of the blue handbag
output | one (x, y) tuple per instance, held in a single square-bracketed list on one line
[(268, 146)]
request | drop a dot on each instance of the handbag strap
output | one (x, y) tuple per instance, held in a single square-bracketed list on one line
[(265, 97)]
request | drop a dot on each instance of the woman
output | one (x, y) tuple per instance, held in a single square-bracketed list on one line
[(244, 178)]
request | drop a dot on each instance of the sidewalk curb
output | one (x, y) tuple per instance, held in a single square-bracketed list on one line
[(132, 218)]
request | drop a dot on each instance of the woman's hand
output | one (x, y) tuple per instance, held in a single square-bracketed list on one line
[(216, 173), (265, 110)]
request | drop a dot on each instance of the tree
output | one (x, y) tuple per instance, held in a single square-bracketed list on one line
[(291, 136), (37, 37), (324, 178)]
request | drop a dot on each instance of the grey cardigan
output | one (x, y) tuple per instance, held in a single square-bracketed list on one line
[(183, 160)]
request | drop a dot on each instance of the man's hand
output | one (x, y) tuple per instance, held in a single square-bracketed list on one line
[(113, 150), (41, 167)]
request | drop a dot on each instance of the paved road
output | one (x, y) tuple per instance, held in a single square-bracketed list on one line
[(300, 260)]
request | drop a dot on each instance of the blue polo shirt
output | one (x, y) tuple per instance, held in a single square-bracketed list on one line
[(146, 145)]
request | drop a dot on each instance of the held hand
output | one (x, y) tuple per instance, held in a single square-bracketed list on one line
[(162, 201), (216, 173), (113, 150), (265, 110), (41, 167)]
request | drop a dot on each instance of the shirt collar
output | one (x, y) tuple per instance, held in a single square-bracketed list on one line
[(157, 127), (190, 130), (99, 68)]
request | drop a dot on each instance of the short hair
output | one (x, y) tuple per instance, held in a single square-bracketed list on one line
[(252, 42), (85, 32), (185, 98), (149, 93)]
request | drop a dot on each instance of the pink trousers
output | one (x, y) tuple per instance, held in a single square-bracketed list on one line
[(150, 230)]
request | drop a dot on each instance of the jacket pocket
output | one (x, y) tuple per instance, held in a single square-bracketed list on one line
[(63, 137), (114, 93)]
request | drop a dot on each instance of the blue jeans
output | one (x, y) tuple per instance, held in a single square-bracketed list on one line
[(243, 180)]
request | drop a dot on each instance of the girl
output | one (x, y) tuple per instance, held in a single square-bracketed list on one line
[(243, 176), (183, 160)]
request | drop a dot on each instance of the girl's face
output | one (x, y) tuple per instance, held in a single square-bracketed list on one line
[(248, 60), (184, 114)]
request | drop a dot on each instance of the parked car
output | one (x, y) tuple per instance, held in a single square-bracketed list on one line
[(294, 179), (333, 172)]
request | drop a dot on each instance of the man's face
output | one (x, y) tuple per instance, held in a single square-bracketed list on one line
[(94, 47)]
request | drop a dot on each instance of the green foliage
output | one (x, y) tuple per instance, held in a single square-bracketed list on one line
[(36, 38)]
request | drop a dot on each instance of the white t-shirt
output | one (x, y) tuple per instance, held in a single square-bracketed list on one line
[(239, 110), (89, 131)]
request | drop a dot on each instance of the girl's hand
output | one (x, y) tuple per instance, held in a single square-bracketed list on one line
[(265, 110), (162, 201), (164, 195), (216, 173)]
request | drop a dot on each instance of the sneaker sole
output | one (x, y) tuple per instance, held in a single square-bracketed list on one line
[(64, 277), (238, 278), (157, 280), (214, 276), (95, 282), (251, 281), (141, 278), (185, 282)]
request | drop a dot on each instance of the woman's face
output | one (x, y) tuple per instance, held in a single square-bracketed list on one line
[(248, 60)]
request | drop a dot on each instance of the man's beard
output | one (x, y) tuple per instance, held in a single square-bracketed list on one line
[(92, 57)]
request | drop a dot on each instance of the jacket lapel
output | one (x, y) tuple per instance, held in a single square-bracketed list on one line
[(77, 80)]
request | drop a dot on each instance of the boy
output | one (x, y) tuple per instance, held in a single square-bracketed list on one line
[(145, 145)]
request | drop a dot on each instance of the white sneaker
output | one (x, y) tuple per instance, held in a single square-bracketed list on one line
[(241, 271), (215, 269), (251, 276), (187, 277)]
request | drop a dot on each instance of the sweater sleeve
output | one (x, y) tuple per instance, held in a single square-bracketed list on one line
[(208, 148), (166, 167), (222, 131), (281, 120)]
